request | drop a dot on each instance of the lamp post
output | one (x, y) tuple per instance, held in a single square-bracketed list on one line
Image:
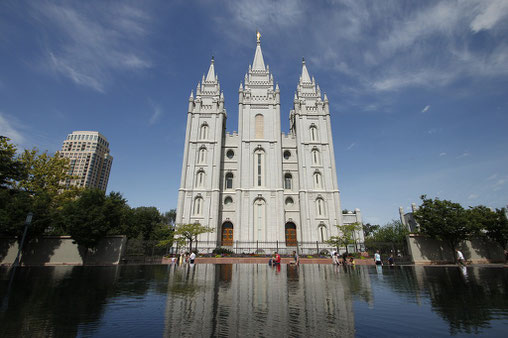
[(27, 223)]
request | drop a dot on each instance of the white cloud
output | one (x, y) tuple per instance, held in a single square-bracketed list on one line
[(10, 130), (157, 112), (465, 154), (90, 42), (491, 12), (492, 177), (351, 146), (427, 107), (432, 131), (442, 154), (472, 196)]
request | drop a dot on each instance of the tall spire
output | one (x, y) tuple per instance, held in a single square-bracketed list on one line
[(259, 63), (305, 73), (210, 77)]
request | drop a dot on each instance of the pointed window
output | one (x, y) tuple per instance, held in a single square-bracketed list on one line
[(313, 133), (315, 157), (259, 219), (322, 232), (200, 179), (198, 206), (288, 180), (318, 184), (202, 155), (229, 181), (259, 168), (259, 124), (320, 207), (203, 133)]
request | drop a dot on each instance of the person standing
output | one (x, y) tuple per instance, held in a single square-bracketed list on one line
[(192, 257), (334, 257), (297, 258), (277, 258), (377, 258), (391, 261), (460, 257)]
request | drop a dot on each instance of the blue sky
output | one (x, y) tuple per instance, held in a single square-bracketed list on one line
[(417, 89)]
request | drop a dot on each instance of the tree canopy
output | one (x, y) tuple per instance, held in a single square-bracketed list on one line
[(190, 232), (346, 235)]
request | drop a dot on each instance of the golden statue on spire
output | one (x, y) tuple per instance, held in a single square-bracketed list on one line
[(258, 35)]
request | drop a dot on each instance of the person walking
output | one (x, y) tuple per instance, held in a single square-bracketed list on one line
[(377, 258), (334, 257), (391, 261), (460, 258), (297, 258)]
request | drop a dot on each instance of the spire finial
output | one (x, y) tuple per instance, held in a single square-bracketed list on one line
[(258, 36), (213, 58), (303, 59)]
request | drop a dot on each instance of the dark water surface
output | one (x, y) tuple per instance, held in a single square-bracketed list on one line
[(254, 300)]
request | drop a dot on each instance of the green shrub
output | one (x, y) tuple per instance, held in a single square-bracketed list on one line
[(222, 251)]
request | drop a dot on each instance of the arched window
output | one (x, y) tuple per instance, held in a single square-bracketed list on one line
[(203, 133), (228, 200), (200, 179), (198, 206), (202, 155), (229, 181), (289, 202), (322, 232), (318, 184), (259, 168), (288, 180), (320, 207), (259, 125), (259, 219), (315, 157), (313, 133)]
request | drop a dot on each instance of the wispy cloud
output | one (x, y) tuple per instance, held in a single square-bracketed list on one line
[(351, 146), (427, 107), (11, 130), (472, 196), (442, 154), (499, 184), (157, 112), (492, 177), (465, 154), (89, 43), (432, 131)]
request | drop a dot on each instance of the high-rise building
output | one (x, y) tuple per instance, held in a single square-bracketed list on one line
[(259, 184), (90, 161)]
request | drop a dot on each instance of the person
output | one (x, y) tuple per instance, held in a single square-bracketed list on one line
[(297, 258), (334, 257), (277, 258), (377, 258), (351, 261), (192, 257), (460, 257), (391, 261)]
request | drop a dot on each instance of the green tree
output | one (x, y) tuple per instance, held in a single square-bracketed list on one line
[(169, 217), (141, 222), (492, 224), (190, 232), (369, 229), (346, 236), (11, 168), (393, 232), (443, 220), (93, 216)]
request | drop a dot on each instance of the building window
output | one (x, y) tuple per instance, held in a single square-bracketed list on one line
[(289, 202), (203, 135), (198, 206), (259, 125), (228, 200), (322, 232), (315, 157), (259, 219), (287, 155), (230, 154), (202, 155), (318, 184), (200, 179), (229, 181), (288, 180), (313, 133), (259, 168), (320, 207)]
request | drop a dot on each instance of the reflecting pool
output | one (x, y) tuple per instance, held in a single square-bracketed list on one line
[(254, 300)]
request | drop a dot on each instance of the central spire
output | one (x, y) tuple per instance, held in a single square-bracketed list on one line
[(210, 77), (258, 63)]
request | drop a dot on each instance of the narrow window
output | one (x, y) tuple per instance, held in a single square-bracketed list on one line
[(229, 181), (259, 169), (198, 206), (202, 156), (317, 180), (315, 157), (204, 132), (287, 181), (320, 207), (313, 133)]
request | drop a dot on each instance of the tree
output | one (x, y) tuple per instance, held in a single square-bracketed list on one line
[(191, 231), (346, 236), (393, 232), (369, 229), (169, 217), (493, 224), (93, 216), (443, 220), (141, 222), (11, 168)]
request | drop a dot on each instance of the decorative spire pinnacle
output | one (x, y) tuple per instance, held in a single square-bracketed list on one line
[(258, 36), (191, 94), (305, 73), (210, 77), (258, 63)]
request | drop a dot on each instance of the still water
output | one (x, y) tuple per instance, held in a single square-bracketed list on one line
[(254, 300)]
